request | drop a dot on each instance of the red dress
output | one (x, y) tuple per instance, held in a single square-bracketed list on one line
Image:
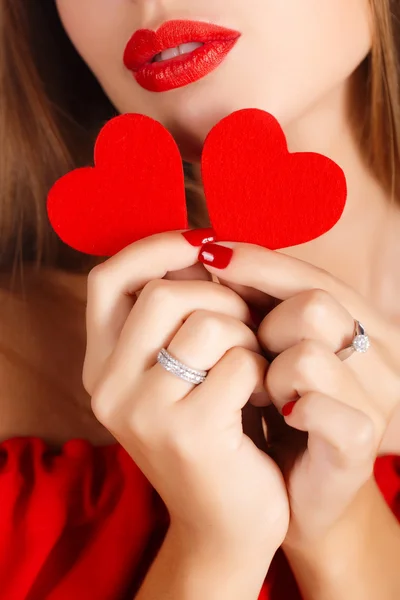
[(85, 524)]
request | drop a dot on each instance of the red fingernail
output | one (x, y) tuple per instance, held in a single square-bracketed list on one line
[(199, 237), (288, 408), (215, 255)]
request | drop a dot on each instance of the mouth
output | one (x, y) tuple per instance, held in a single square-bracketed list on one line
[(177, 54), (181, 50)]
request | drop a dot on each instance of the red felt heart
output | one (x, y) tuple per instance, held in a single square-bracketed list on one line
[(136, 189), (257, 192)]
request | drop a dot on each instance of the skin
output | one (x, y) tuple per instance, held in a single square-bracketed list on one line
[(344, 406), (219, 487), (263, 71), (320, 47), (307, 54)]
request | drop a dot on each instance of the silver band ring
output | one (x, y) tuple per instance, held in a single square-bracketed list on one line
[(360, 343), (174, 366)]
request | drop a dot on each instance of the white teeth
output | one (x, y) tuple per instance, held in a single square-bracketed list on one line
[(186, 48), (170, 53), (173, 52)]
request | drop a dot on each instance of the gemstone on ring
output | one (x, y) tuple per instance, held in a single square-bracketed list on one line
[(361, 343)]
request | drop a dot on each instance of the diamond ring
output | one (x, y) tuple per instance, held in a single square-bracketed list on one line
[(360, 343), (174, 366)]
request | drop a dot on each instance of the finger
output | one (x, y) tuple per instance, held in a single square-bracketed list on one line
[(200, 343), (158, 314), (348, 435), (229, 384), (311, 367), (282, 276), (260, 302), (316, 315), (313, 314), (159, 387), (112, 285)]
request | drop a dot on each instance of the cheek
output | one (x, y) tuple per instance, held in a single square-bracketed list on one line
[(306, 49), (98, 29), (319, 29), (344, 34), (339, 35), (292, 54)]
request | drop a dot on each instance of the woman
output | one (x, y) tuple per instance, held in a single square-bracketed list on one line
[(88, 473)]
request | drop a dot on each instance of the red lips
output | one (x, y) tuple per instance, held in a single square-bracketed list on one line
[(165, 75)]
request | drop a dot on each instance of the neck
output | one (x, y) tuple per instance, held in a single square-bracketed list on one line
[(362, 248)]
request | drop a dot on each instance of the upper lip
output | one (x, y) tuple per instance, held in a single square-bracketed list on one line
[(145, 44)]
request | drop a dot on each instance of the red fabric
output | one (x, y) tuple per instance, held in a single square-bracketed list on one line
[(84, 523)]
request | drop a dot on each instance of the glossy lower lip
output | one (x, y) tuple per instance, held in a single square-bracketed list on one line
[(180, 71), (183, 70)]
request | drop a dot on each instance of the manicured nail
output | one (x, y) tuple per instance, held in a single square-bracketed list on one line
[(199, 237), (215, 255), (288, 408)]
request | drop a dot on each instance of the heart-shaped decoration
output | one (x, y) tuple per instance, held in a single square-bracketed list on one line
[(257, 192), (136, 189)]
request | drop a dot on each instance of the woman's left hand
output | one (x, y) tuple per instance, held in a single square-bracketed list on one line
[(343, 406)]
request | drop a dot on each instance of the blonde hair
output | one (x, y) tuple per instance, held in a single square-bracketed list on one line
[(46, 129)]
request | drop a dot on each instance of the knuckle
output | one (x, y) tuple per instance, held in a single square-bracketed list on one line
[(359, 443), (317, 304), (158, 291), (241, 359), (103, 405), (96, 275), (206, 323), (308, 353), (363, 436), (108, 399), (120, 413)]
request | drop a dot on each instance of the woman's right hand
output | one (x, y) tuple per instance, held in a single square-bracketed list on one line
[(188, 440)]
